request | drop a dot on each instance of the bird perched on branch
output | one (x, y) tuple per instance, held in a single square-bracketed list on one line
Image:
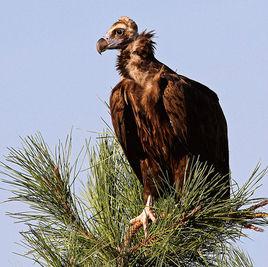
[(161, 118)]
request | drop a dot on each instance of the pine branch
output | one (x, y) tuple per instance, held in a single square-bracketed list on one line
[(194, 227)]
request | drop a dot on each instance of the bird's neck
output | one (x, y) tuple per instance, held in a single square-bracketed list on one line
[(135, 60)]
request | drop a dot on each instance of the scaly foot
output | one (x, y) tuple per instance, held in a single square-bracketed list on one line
[(147, 213)]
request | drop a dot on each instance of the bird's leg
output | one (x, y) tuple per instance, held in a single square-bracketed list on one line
[(147, 213)]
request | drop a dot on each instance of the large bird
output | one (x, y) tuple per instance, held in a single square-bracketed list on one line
[(161, 118)]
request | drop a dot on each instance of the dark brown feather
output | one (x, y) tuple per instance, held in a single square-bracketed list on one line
[(162, 119)]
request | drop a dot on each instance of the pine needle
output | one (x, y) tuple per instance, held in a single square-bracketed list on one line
[(194, 226)]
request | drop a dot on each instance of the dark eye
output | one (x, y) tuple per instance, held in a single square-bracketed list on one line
[(119, 31)]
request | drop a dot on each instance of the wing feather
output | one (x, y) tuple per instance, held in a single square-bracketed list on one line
[(125, 127), (197, 119)]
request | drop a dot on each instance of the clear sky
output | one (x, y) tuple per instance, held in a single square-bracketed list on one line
[(52, 78)]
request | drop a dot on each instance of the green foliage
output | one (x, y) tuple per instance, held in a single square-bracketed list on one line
[(194, 227)]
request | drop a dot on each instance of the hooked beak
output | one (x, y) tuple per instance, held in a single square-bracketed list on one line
[(102, 45)]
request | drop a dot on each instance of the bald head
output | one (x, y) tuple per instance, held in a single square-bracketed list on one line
[(118, 35)]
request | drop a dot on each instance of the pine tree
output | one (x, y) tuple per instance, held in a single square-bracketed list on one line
[(63, 228)]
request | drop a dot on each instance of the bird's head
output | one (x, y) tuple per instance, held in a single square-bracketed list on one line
[(121, 33)]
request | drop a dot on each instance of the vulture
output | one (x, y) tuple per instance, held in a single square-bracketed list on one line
[(161, 118)]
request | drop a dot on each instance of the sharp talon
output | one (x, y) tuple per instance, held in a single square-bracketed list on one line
[(152, 217)]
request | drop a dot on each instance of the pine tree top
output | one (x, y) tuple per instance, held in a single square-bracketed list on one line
[(63, 228)]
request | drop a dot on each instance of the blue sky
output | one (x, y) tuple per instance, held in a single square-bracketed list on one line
[(52, 78)]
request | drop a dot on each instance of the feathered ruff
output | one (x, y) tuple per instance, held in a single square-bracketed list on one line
[(143, 45)]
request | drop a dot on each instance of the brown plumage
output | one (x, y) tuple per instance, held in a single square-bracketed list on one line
[(161, 118)]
